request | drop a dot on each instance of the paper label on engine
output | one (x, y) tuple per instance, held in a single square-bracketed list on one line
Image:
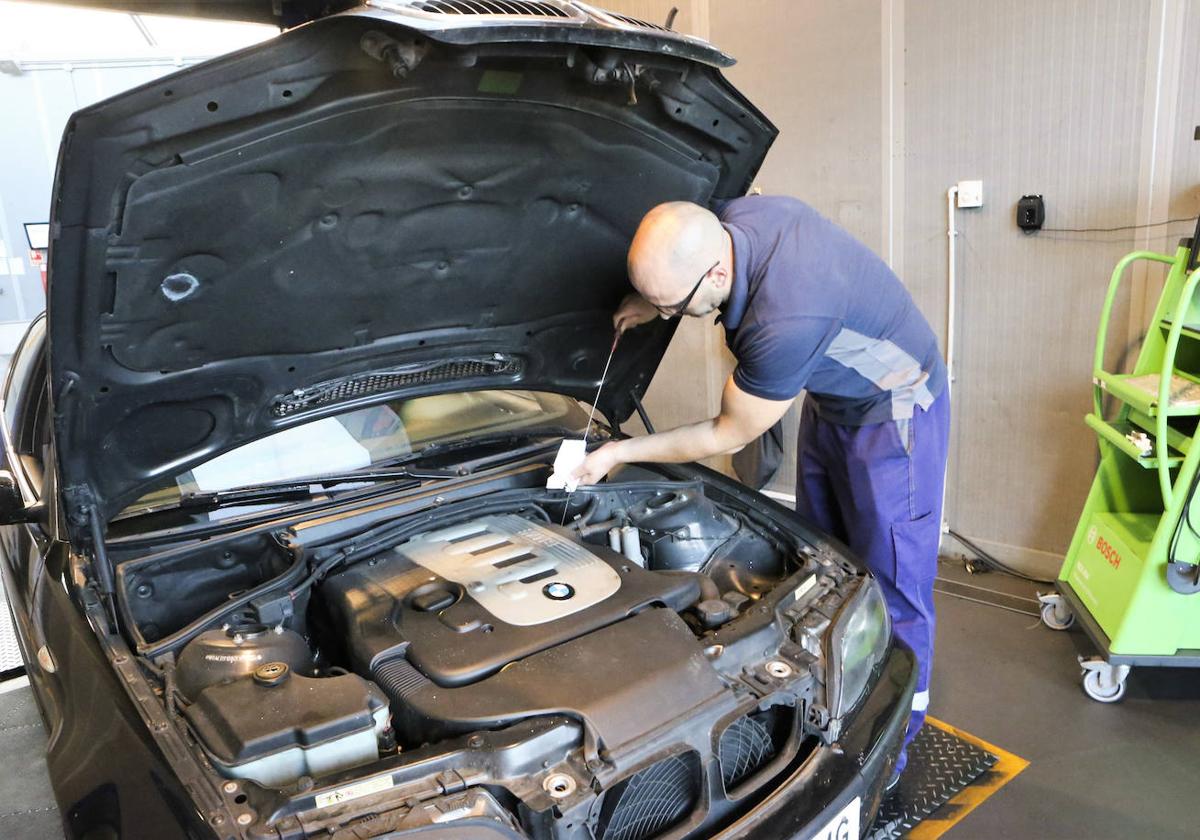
[(803, 588), (571, 455), (355, 791)]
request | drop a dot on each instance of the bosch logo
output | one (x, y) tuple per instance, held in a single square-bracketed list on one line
[(1108, 552)]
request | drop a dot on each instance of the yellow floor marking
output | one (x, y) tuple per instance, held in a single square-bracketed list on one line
[(970, 797)]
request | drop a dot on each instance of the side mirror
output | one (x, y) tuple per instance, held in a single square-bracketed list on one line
[(12, 504)]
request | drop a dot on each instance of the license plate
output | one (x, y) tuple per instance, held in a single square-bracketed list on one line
[(843, 826)]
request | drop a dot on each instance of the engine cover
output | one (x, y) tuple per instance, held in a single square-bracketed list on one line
[(460, 603), (521, 572)]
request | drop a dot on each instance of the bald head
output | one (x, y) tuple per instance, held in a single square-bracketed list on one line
[(675, 244)]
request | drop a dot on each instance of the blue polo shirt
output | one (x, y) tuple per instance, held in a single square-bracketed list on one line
[(813, 308)]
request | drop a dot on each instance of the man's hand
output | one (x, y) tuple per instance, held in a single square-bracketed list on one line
[(634, 310), (743, 417), (599, 463)]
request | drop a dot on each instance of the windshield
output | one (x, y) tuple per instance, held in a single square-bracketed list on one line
[(364, 437)]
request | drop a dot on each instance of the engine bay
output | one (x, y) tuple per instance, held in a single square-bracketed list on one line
[(461, 603), (634, 619)]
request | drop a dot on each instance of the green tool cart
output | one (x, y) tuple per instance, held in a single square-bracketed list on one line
[(1131, 576)]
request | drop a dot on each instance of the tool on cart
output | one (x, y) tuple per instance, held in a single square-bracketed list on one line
[(1132, 574)]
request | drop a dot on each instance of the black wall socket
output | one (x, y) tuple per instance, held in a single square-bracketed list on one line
[(1031, 213)]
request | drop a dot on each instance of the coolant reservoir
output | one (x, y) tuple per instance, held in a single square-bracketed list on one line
[(217, 656), (275, 726)]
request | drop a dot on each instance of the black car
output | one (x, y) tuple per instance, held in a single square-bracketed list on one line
[(278, 542)]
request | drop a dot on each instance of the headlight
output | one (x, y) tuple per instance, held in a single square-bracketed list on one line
[(858, 644)]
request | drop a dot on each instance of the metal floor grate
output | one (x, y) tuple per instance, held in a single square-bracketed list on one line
[(940, 764), (10, 654)]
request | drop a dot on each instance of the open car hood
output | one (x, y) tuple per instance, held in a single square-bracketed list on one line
[(277, 12), (376, 204)]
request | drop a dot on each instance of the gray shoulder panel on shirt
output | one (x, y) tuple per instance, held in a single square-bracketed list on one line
[(886, 366)]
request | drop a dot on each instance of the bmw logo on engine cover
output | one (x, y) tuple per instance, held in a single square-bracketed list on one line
[(558, 591)]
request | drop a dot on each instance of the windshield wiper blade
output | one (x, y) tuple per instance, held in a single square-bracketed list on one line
[(302, 488), (473, 465), (546, 436), (397, 469)]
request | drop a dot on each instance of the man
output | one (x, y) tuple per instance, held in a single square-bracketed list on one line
[(806, 306)]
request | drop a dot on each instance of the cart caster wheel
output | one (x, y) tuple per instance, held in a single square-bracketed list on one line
[(974, 567), (1102, 682), (1055, 613)]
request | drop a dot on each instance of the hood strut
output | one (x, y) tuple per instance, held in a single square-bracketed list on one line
[(641, 410), (104, 570)]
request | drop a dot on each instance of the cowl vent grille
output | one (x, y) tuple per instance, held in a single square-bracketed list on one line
[(380, 382), (640, 24), (524, 8)]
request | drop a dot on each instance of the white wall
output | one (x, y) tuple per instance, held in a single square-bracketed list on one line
[(54, 61)]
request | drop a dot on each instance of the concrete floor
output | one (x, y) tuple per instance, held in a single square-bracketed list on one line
[(27, 809), (1096, 771)]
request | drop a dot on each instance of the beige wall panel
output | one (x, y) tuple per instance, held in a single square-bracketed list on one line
[(817, 78), (1185, 171), (814, 68), (1032, 97)]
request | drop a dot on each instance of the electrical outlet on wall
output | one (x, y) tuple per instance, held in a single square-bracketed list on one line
[(970, 193), (1031, 213)]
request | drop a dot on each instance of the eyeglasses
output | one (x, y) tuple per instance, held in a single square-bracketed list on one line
[(679, 308)]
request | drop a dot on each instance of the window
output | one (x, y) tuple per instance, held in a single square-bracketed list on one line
[(371, 436)]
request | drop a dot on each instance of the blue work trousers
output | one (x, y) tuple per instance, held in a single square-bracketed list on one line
[(878, 488)]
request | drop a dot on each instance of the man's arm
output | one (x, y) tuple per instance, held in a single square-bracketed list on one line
[(743, 417)]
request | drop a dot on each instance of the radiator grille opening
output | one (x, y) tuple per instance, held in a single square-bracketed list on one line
[(751, 742), (652, 800), (533, 8), (380, 382)]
